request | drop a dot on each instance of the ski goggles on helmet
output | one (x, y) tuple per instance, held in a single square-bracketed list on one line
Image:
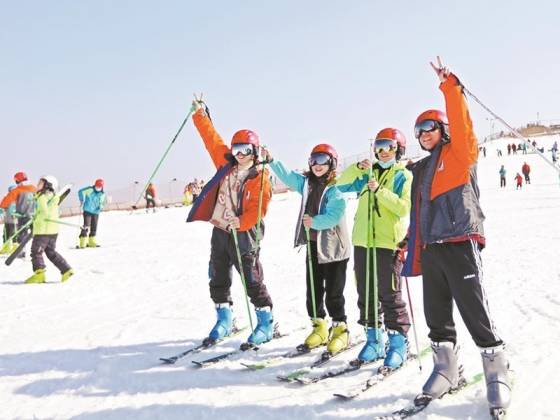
[(319, 159), (426, 126), (245, 149), (385, 145)]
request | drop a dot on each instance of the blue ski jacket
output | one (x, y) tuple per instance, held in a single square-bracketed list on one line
[(91, 200)]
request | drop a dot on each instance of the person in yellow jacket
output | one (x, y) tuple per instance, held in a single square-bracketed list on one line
[(45, 231)]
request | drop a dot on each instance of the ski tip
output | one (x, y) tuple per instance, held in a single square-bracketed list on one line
[(197, 364), (168, 361), (343, 397)]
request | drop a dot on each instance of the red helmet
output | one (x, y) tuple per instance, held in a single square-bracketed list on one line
[(440, 117), (99, 183), (20, 177), (246, 137), (433, 114), (329, 150), (395, 135)]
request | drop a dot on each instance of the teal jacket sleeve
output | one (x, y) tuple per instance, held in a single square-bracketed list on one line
[(332, 212), (292, 179)]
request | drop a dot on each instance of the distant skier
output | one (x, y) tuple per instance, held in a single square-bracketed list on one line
[(526, 170), (22, 196), (445, 239), (322, 211), (188, 194), (92, 201), (230, 200), (384, 201), (10, 222), (514, 148), (150, 196), (502, 173), (509, 149), (45, 232), (519, 181)]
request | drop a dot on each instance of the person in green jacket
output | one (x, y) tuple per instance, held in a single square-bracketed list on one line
[(384, 187), (45, 231)]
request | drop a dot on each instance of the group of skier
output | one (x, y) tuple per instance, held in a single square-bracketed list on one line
[(439, 194), (525, 170), (32, 212)]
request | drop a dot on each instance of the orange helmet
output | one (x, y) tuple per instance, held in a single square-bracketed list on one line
[(329, 150), (20, 177), (99, 183), (395, 135), (246, 137)]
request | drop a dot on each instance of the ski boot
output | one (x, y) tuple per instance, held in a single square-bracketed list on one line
[(83, 242), (376, 340), (264, 331), (339, 338), (223, 326), (92, 243), (37, 277), (446, 376), (498, 384), (397, 351), (318, 337), (66, 275)]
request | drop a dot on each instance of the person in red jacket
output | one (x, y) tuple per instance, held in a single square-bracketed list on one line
[(445, 238), (519, 181), (526, 170), (150, 196), (236, 198)]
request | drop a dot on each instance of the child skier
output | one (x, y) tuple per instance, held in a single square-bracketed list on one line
[(92, 200), (22, 196), (45, 231), (385, 189), (9, 225), (322, 212), (445, 240), (230, 201), (519, 181)]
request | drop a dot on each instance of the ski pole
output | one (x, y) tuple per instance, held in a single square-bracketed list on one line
[(242, 275), (135, 205), (413, 323), (511, 129), (65, 223), (311, 277)]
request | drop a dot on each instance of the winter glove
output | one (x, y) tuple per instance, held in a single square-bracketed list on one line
[(402, 247)]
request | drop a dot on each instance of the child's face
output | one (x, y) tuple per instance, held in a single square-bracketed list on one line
[(40, 184), (243, 160), (320, 170), (430, 139)]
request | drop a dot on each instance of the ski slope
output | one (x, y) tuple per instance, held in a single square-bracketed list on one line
[(88, 349)]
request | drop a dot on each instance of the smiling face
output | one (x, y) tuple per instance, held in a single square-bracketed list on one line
[(320, 170), (244, 161), (430, 139)]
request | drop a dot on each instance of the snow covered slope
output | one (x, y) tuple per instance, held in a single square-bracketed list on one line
[(88, 349)]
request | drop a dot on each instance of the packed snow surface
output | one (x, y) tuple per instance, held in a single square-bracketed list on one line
[(89, 348)]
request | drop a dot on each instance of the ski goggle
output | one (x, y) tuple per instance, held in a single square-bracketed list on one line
[(385, 145), (426, 126), (245, 149), (319, 159)]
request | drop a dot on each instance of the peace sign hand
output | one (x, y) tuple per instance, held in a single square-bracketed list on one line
[(442, 72)]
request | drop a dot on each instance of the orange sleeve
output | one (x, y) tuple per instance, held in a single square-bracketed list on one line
[(9, 199), (212, 140), (249, 217), (463, 140)]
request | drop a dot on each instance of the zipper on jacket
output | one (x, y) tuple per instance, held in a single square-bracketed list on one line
[(450, 210)]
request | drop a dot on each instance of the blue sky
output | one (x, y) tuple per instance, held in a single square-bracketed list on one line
[(98, 88)]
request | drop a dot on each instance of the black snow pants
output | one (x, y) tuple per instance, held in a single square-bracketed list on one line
[(392, 308), (90, 224), (452, 272), (223, 256), (46, 244), (329, 280)]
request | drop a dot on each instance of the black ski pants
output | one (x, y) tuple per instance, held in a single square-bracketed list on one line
[(329, 280), (90, 224), (452, 272), (150, 202), (223, 256), (391, 307), (9, 230), (46, 244)]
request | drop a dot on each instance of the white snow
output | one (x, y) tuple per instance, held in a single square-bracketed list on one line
[(88, 349)]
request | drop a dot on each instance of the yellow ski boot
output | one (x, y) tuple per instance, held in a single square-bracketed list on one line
[(66, 275), (83, 242), (37, 277), (339, 337), (6, 248), (92, 243), (320, 334)]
